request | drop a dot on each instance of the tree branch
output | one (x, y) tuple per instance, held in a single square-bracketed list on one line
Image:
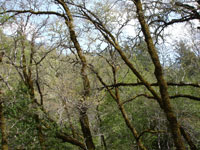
[(17, 12), (150, 131), (70, 140), (154, 84), (185, 96)]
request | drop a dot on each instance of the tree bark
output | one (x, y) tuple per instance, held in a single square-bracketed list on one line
[(86, 131), (165, 103), (71, 140)]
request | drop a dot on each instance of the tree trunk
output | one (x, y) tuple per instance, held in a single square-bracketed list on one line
[(116, 97), (165, 101), (86, 130), (28, 81), (86, 84), (188, 139), (128, 123)]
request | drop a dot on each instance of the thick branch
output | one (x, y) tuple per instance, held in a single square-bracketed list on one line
[(71, 140), (86, 84)]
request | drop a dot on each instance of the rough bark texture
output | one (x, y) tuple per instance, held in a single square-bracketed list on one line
[(165, 103), (71, 140), (86, 131), (86, 84)]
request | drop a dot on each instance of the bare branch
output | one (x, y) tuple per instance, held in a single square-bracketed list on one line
[(155, 84), (185, 96), (17, 12)]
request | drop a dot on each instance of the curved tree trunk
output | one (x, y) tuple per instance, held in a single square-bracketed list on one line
[(84, 121)]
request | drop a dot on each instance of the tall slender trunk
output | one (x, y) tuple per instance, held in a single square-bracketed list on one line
[(116, 97), (27, 73), (188, 139), (130, 126), (124, 114), (84, 121), (165, 101)]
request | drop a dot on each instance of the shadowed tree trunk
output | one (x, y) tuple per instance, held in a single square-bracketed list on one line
[(86, 130)]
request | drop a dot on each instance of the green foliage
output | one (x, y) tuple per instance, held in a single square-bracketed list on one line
[(4, 18), (60, 79), (113, 127), (186, 65), (22, 126)]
